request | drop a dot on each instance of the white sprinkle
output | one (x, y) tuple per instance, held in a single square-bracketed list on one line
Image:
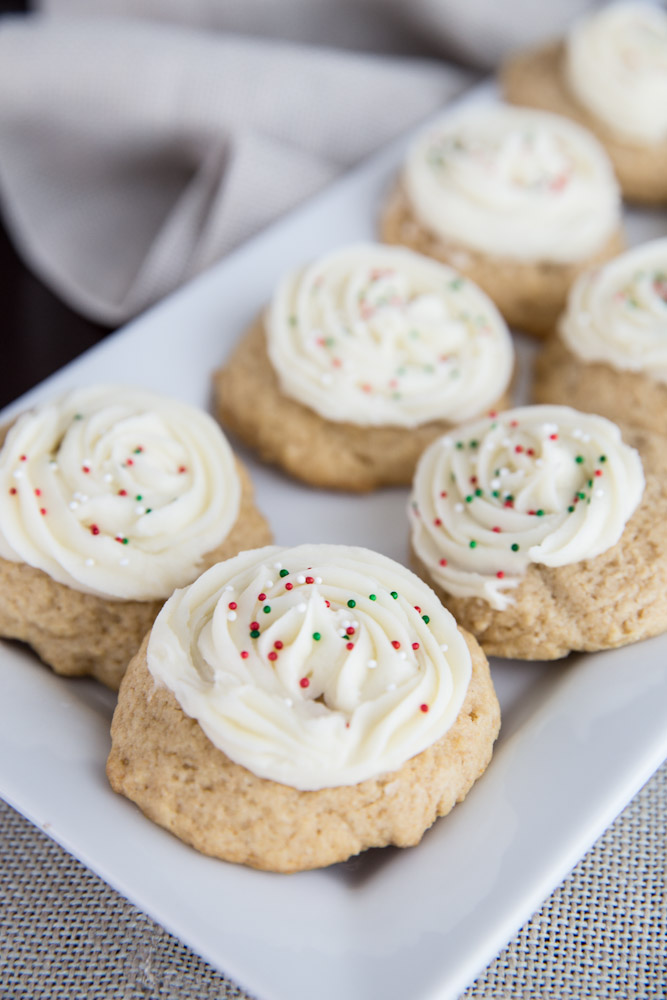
[(277, 565), (90, 562), (301, 578), (139, 511), (458, 507), (124, 562), (550, 428), (403, 656), (18, 473), (289, 702), (444, 647), (372, 664), (108, 478), (229, 587), (504, 471), (495, 483), (83, 497), (326, 378), (318, 579), (346, 623), (342, 632), (53, 465), (301, 607), (446, 443), (577, 433), (599, 493), (231, 616), (506, 443), (539, 462), (73, 505), (585, 437), (268, 584), (391, 687), (355, 623)]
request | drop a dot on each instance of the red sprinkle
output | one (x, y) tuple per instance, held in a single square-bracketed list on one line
[(310, 579), (273, 656), (24, 458), (473, 479), (531, 512), (349, 645), (278, 644), (417, 608), (424, 708), (122, 493), (443, 562), (85, 468), (415, 645), (129, 461), (328, 603), (304, 682), (349, 631), (514, 423), (553, 437), (42, 511), (232, 605), (13, 491), (94, 530), (598, 472), (244, 654), (395, 643), (496, 529), (509, 503), (38, 493), (437, 522), (518, 449), (288, 586), (182, 469), (493, 413), (261, 597), (443, 494), (531, 452), (500, 574), (254, 626)]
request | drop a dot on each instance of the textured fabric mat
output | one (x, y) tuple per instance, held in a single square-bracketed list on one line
[(601, 935)]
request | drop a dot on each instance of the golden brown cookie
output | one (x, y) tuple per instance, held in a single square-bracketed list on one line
[(81, 634), (336, 455), (613, 598), (530, 295), (536, 79), (162, 760)]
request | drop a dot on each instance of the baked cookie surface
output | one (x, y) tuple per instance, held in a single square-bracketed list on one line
[(520, 201), (539, 78), (567, 575), (376, 745), (60, 547), (610, 354), (359, 362)]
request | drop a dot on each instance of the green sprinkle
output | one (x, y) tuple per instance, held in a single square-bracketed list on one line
[(78, 416), (138, 451), (138, 497), (316, 636), (478, 492), (148, 510), (496, 493), (394, 594), (472, 544), (515, 547), (125, 541), (570, 510), (284, 572), (372, 597), (266, 609), (459, 445), (582, 496), (540, 513), (425, 618), (603, 458), (590, 483), (579, 459), (474, 444), (292, 321), (456, 284), (469, 499), (351, 603), (254, 634)]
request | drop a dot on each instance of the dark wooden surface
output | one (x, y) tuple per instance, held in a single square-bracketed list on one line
[(39, 333)]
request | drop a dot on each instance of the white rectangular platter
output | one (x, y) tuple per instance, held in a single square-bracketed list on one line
[(579, 737)]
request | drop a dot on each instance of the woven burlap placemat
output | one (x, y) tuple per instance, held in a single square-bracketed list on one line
[(602, 934)]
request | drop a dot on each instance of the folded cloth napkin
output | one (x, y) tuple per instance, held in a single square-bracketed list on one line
[(134, 154), (136, 149)]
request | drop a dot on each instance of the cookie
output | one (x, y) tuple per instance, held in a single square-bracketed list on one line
[(360, 360), (110, 497), (609, 75), (520, 201), (335, 709), (543, 533), (610, 355)]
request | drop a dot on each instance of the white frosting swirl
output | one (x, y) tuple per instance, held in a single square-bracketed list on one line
[(539, 484), (116, 491), (514, 182), (315, 666), (616, 65), (379, 335), (618, 314)]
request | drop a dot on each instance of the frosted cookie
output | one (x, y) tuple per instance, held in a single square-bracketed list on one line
[(360, 360), (110, 497), (294, 707), (543, 533), (518, 200), (609, 74), (611, 353)]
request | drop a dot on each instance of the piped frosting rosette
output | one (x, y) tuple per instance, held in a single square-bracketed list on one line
[(379, 335), (514, 182), (616, 65), (116, 491), (618, 314), (314, 666), (539, 484)]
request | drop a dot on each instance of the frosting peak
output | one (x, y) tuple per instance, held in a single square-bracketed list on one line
[(514, 182), (116, 491), (315, 666), (379, 335)]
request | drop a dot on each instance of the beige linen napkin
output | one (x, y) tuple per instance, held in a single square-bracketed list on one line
[(133, 154)]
